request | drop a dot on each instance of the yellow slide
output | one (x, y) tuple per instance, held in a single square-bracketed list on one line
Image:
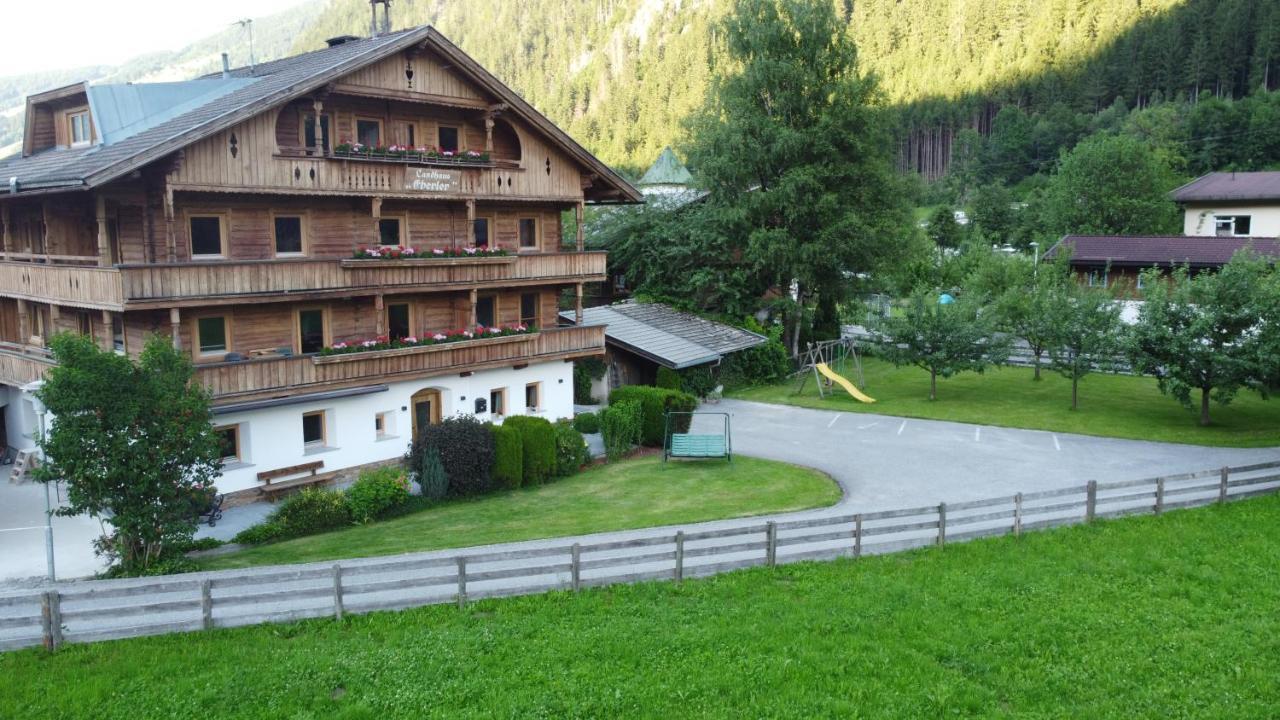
[(842, 382)]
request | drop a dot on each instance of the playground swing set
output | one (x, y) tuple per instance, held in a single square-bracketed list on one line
[(819, 358), (695, 445)]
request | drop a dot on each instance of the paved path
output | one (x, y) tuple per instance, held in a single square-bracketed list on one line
[(880, 462)]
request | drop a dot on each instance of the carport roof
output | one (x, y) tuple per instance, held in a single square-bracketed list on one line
[(667, 336)]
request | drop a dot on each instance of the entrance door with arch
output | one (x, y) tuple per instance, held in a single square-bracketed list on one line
[(426, 408)]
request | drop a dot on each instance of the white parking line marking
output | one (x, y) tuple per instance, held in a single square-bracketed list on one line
[(977, 434), (864, 427), (833, 421), (902, 427), (1056, 446)]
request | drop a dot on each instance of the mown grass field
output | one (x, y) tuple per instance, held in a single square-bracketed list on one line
[(636, 493), (1110, 405), (1153, 617)]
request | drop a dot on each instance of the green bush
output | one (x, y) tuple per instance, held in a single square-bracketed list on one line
[(508, 456), (585, 371), (538, 439), (655, 403), (465, 446), (620, 425), (698, 381), (667, 378), (263, 532), (587, 423), (571, 449), (377, 492), (431, 475), (760, 365), (311, 511)]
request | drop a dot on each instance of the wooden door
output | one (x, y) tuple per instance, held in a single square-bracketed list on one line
[(426, 409)]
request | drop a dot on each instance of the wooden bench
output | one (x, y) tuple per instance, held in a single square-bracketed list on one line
[(268, 488), (697, 446)]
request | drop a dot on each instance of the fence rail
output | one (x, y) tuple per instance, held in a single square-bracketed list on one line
[(111, 609)]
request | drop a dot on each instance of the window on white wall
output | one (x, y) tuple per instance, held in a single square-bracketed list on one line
[(1233, 225), (384, 425), (314, 433)]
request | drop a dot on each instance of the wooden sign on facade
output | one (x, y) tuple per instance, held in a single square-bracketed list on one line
[(432, 180)]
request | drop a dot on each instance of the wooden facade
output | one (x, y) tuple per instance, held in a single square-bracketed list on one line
[(258, 221)]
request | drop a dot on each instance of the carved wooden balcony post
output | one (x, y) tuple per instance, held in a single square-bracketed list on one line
[(577, 308), (107, 341), (104, 239), (8, 231), (577, 214), (471, 322), (175, 327)]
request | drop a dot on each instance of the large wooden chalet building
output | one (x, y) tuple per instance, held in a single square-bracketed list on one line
[(227, 213)]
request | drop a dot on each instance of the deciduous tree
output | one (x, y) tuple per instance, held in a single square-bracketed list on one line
[(944, 339), (1087, 334)]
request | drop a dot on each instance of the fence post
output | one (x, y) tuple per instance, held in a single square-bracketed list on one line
[(46, 620), (771, 551), (1017, 515), (679, 556), (1091, 501), (338, 608), (1159, 495), (857, 535), (1222, 486), (462, 582), (942, 524), (206, 604), (575, 568)]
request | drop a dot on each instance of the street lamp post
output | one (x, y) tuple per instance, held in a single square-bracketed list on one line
[(41, 411)]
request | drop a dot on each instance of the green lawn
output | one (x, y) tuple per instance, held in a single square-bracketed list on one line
[(1111, 405), (1153, 617), (636, 493)]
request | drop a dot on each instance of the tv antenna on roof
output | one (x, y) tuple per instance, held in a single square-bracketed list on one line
[(247, 25)]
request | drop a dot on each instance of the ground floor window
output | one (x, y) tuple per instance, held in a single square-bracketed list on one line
[(1097, 278), (383, 425), (313, 430), (229, 442), (498, 401), (533, 396)]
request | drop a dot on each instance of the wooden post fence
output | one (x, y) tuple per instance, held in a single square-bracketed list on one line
[(942, 524), (462, 582), (771, 544), (337, 592), (857, 535), (575, 566), (1017, 515), (1222, 486), (1159, 495), (1091, 501), (679, 556), (206, 604)]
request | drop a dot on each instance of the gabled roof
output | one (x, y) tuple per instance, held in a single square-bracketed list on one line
[(667, 336), (1158, 250), (666, 170), (269, 85), (1242, 186)]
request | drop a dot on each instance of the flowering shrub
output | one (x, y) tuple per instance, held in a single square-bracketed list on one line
[(405, 152), (384, 342), (400, 252), (377, 492)]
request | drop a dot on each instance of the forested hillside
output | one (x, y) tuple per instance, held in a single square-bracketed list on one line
[(621, 74)]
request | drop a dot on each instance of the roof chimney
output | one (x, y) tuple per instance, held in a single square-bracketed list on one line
[(374, 29), (226, 66)]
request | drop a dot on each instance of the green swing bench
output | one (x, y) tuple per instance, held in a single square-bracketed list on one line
[(694, 445)]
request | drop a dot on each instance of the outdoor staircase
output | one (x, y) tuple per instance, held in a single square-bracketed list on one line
[(22, 465)]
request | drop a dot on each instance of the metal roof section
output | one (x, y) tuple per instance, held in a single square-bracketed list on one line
[(124, 110), (1159, 250), (666, 170), (667, 336), (1240, 186)]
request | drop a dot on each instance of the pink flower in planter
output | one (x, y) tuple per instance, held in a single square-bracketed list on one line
[(495, 330), (409, 251), (410, 340), (340, 346), (439, 336), (368, 343), (467, 333), (437, 251), (447, 153), (469, 251)]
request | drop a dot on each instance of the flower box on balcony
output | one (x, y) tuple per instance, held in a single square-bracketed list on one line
[(417, 156), (352, 263), (421, 349)]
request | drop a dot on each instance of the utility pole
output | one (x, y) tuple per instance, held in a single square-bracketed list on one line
[(247, 26)]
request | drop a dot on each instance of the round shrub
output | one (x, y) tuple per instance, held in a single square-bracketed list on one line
[(586, 423), (508, 456), (538, 439), (667, 378), (620, 425), (377, 492), (465, 446), (571, 449), (311, 511)]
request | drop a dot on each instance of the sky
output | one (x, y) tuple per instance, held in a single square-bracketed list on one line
[(73, 33)]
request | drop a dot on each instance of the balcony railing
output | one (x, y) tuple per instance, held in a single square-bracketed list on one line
[(22, 364), (165, 285), (248, 379)]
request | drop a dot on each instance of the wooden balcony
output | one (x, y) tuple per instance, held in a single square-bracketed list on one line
[(273, 377), (21, 364), (74, 285), (185, 284)]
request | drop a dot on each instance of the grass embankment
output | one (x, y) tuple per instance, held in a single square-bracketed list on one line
[(1120, 406), (1153, 617), (637, 493)]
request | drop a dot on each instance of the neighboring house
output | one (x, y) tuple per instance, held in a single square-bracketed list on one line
[(224, 213), (1222, 213), (640, 337)]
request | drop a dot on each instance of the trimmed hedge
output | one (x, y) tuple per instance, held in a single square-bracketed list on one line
[(654, 404), (667, 378), (620, 425), (377, 492), (571, 449), (508, 456), (539, 441), (466, 452), (587, 423)]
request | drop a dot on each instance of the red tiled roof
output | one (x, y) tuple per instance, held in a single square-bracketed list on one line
[(1158, 250), (1230, 186)]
